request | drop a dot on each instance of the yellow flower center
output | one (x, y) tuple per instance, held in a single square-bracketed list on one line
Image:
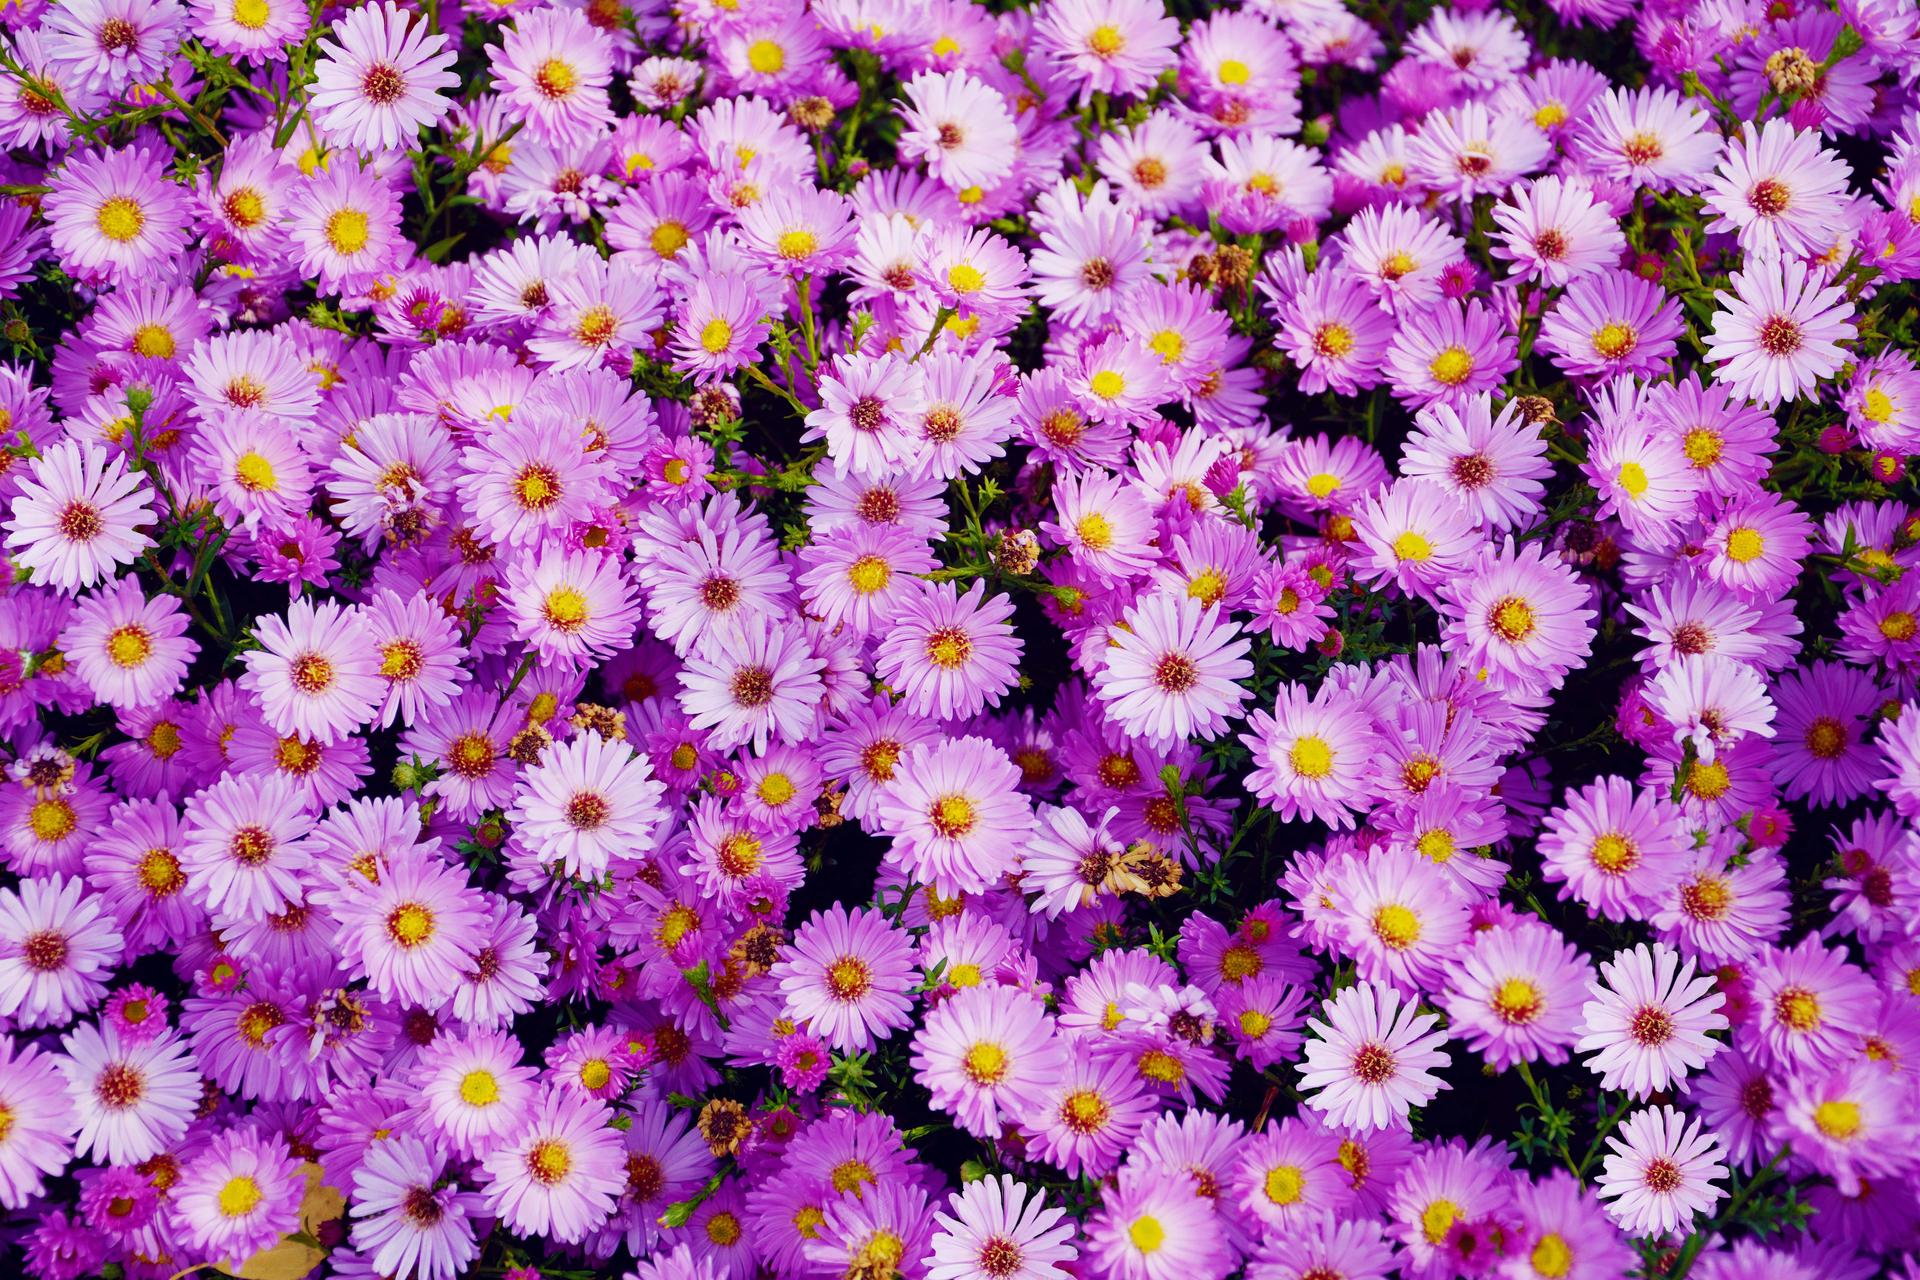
[(120, 219), (240, 1197), (347, 231), (1311, 757), (1451, 367), (766, 57)]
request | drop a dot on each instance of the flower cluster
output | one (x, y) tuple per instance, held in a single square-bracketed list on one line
[(917, 640)]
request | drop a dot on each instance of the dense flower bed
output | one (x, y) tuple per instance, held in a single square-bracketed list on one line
[(879, 638)]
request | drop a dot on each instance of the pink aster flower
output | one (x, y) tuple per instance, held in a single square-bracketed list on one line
[(985, 1055), (1519, 616), (1649, 1019), (1515, 994), (553, 66), (1414, 536), (1615, 847), (955, 814), (762, 682), (960, 127), (1660, 1170), (558, 1173), (588, 799), (57, 948), (115, 214), (1756, 545), (1554, 231), (1313, 755), (1172, 671), (1087, 1115), (1492, 464), (571, 605), (316, 672), (245, 844), (1810, 1006), (949, 654), (1449, 353), (1780, 333), (133, 1100), (38, 1142), (239, 1195), (380, 78), (1370, 1061), (1336, 332), (407, 1216), (1149, 1227), (345, 223), (846, 975), (1108, 46), (115, 44), (1778, 190), (995, 1219), (76, 517), (1610, 324)]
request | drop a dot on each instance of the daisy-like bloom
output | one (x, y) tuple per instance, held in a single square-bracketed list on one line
[(1825, 712), (1565, 1235), (1107, 46), (762, 681), (1400, 915), (571, 605), (1399, 254), (1515, 994), (1493, 465), (1171, 672), (950, 655), (1712, 702), (381, 78), (470, 1090), (1660, 1170), (960, 127), (1371, 1060), (1467, 151), (405, 1218), (1614, 847), (238, 1196), (1643, 478), (1336, 332), (1851, 1124), (245, 844), (1778, 190), (1554, 231), (1261, 182), (57, 947), (1780, 333), (1518, 615), (1647, 138), (866, 406), (1449, 353), (799, 231), (36, 1139), (956, 815), (1610, 324), (1090, 1112), (588, 799), (1150, 1227), (345, 223), (1313, 756), (115, 215), (846, 974), (1756, 545), (558, 1174), (114, 44), (420, 654), (859, 575), (1725, 438), (1000, 1228), (1414, 536), (532, 478), (316, 672), (1810, 1006), (133, 1100), (719, 327), (1290, 1174), (985, 1055), (253, 31), (1723, 913), (553, 67), (130, 650), (1649, 1019), (77, 515), (414, 932)]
